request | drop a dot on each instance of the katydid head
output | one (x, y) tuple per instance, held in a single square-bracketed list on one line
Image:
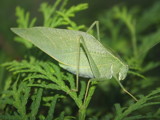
[(123, 72)]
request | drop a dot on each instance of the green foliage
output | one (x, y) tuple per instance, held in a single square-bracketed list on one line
[(23, 22), (40, 89), (47, 75), (20, 100), (43, 75), (141, 44), (55, 15), (2, 71), (145, 101), (129, 30)]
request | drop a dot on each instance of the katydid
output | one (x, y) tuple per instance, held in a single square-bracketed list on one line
[(78, 52)]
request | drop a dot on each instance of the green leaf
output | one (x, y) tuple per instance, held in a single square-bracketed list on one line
[(23, 22), (148, 42), (52, 108), (36, 100), (148, 18), (144, 101)]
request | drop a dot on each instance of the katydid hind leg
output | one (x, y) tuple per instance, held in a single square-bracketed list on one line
[(92, 64), (95, 23)]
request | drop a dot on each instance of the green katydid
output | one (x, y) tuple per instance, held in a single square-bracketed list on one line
[(78, 52)]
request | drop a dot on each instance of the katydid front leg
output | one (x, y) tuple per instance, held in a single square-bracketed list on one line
[(126, 90)]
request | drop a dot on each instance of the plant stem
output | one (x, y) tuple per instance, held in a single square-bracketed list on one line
[(87, 99), (82, 112), (134, 41)]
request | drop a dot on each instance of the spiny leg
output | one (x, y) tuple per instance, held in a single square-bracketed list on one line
[(126, 90), (97, 28)]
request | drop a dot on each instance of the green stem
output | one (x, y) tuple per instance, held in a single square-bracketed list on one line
[(83, 107), (131, 26), (82, 112), (134, 41)]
